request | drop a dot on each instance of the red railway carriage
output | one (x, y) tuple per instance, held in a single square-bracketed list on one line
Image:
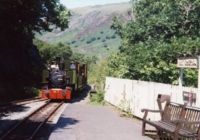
[(63, 81)]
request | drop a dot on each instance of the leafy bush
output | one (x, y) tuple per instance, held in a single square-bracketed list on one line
[(93, 39), (97, 98), (105, 45), (31, 91), (113, 36), (98, 75), (103, 40), (74, 41), (107, 37), (102, 32), (68, 43), (89, 41)]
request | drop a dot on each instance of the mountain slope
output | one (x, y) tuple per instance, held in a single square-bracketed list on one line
[(89, 30)]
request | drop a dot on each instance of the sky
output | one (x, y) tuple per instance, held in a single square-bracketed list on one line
[(81, 3)]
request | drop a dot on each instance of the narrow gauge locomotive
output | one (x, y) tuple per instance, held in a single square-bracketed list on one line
[(63, 81)]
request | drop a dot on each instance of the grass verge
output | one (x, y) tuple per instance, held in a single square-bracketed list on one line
[(97, 98)]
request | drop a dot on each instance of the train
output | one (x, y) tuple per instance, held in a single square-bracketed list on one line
[(63, 81)]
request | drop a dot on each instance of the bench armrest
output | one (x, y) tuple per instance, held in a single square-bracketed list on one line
[(149, 110)]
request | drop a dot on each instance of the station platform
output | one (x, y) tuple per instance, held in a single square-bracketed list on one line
[(83, 121)]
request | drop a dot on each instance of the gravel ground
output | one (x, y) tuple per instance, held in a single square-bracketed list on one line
[(17, 113)]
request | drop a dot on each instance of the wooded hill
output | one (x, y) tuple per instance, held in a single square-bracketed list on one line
[(89, 30)]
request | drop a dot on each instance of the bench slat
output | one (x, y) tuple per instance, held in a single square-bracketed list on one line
[(170, 128)]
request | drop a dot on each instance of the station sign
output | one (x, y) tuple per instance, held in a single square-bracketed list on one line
[(187, 63)]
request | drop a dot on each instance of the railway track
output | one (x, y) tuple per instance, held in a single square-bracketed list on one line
[(22, 102), (30, 126), (13, 104)]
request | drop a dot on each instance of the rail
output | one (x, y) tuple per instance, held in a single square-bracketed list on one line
[(30, 126)]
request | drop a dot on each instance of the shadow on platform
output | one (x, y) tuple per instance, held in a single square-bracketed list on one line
[(10, 108), (82, 95), (62, 124)]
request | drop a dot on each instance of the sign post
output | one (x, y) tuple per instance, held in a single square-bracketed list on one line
[(198, 90), (180, 80), (198, 61), (189, 63)]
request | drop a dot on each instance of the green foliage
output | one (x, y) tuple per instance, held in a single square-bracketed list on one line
[(117, 66), (31, 91), (97, 98), (73, 42), (24, 16), (90, 61), (50, 52), (117, 26), (20, 61), (113, 36), (162, 32), (91, 40), (107, 37), (78, 57), (88, 42), (103, 40), (98, 74), (105, 45)]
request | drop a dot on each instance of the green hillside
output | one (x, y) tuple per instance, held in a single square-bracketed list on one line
[(89, 30)]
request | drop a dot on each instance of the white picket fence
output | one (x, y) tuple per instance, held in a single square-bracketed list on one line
[(134, 95)]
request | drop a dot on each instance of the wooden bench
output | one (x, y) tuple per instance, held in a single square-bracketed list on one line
[(177, 121)]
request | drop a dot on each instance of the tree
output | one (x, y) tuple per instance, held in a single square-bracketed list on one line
[(50, 52), (161, 32), (24, 17), (19, 58)]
